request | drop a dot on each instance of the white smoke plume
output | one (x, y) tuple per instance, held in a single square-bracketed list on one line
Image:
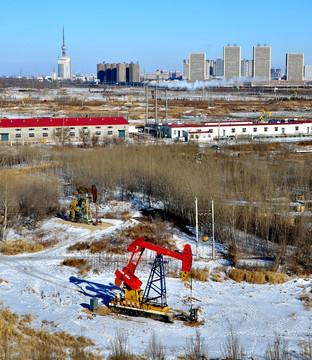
[(196, 85)]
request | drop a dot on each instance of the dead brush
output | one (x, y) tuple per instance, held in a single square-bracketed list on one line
[(126, 215), (199, 274), (111, 215), (77, 263), (216, 276), (156, 232), (257, 276), (82, 265), (79, 246), (20, 246), (18, 340), (307, 301)]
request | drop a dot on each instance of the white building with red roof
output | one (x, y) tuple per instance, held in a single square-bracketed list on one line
[(37, 129), (209, 131)]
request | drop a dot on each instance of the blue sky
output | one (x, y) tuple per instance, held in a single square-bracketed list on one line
[(157, 34)]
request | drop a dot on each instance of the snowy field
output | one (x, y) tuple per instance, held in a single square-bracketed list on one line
[(38, 284)]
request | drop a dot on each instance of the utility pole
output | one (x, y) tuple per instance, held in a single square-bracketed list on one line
[(146, 105), (213, 237), (156, 104), (196, 221), (166, 104)]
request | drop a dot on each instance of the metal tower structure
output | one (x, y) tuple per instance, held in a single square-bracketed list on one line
[(63, 46), (156, 284)]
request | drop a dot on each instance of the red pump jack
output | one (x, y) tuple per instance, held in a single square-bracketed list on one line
[(153, 302)]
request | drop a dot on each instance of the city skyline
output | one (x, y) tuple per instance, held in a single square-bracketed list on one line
[(157, 35)]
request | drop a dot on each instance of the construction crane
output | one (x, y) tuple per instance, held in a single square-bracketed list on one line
[(80, 210), (264, 117), (129, 101), (153, 302)]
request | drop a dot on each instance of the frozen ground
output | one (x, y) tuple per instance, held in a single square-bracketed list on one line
[(38, 284)]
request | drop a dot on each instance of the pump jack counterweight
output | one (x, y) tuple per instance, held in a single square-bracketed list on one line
[(153, 303)]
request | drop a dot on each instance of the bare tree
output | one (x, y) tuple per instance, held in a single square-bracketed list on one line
[(120, 347), (62, 134), (84, 136), (278, 350), (232, 350), (155, 350), (196, 348), (7, 201)]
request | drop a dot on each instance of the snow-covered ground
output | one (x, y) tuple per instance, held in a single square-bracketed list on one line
[(38, 284)]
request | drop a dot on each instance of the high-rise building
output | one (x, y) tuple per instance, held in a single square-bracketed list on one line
[(262, 62), (294, 67), (210, 65), (197, 66), (246, 68), (308, 72), (232, 61), (186, 70), (219, 68), (63, 64), (276, 74)]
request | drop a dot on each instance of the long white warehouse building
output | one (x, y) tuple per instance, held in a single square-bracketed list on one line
[(209, 131)]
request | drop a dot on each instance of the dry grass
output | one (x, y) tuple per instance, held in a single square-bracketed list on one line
[(199, 274), (19, 341), (77, 263), (112, 245), (155, 231), (20, 246), (257, 276), (79, 246), (307, 301), (216, 276), (81, 264)]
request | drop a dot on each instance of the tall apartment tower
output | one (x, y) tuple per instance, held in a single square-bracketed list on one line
[(232, 61), (219, 68), (197, 66), (262, 62), (294, 67), (246, 68), (63, 64), (186, 70), (308, 72)]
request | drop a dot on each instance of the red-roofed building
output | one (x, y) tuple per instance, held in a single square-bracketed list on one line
[(53, 128), (238, 130)]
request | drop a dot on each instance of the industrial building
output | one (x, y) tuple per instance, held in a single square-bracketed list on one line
[(197, 66), (294, 67), (232, 61), (262, 62), (37, 129), (209, 131), (63, 64), (118, 73)]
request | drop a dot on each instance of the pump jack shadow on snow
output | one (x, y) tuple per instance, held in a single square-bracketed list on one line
[(94, 290)]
